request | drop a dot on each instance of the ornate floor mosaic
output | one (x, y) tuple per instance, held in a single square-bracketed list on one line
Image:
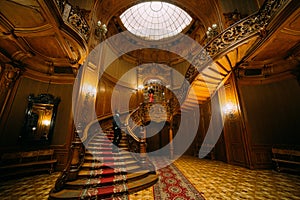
[(213, 179)]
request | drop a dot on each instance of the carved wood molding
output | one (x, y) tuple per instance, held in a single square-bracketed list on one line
[(8, 76)]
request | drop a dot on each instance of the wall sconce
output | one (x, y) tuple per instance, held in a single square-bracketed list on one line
[(89, 91), (140, 87), (46, 122), (212, 31), (101, 29), (230, 109)]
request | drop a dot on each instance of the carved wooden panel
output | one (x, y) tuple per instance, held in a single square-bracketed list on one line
[(23, 14), (234, 134), (37, 45), (34, 34), (238, 154), (62, 157), (261, 156)]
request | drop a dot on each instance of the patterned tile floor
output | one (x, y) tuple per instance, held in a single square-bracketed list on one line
[(216, 180)]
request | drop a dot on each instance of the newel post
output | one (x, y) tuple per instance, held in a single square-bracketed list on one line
[(143, 144), (72, 168), (76, 149)]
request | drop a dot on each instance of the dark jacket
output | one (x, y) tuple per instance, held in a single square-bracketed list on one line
[(116, 122)]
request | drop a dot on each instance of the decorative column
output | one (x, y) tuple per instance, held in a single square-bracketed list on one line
[(8, 77), (171, 141)]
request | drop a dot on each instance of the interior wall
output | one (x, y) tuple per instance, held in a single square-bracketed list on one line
[(125, 98), (121, 71), (13, 126), (235, 134), (157, 136), (219, 151), (272, 112), (246, 8)]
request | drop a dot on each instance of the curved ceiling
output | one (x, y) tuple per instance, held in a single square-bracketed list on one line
[(194, 28), (33, 37)]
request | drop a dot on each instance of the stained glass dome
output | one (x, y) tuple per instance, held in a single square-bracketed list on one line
[(155, 20)]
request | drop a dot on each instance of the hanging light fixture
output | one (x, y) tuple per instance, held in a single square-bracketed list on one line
[(212, 31), (101, 29)]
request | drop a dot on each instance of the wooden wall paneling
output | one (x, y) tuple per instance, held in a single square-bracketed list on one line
[(62, 155), (64, 118), (108, 94), (271, 115), (261, 156), (100, 99), (220, 149), (235, 134), (64, 122), (5, 114)]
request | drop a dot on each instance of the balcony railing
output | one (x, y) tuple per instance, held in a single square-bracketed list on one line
[(74, 17)]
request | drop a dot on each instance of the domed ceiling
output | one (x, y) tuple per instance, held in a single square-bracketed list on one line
[(155, 20), (158, 23)]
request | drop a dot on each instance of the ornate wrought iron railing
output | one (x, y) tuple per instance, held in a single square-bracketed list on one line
[(146, 112), (74, 17), (229, 39), (134, 129)]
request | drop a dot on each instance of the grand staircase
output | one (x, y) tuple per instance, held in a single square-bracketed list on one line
[(107, 173)]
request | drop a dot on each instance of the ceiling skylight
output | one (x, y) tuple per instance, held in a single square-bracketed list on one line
[(155, 20)]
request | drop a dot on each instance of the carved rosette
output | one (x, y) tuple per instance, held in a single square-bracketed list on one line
[(9, 76)]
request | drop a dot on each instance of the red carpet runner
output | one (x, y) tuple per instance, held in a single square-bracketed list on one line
[(173, 185)]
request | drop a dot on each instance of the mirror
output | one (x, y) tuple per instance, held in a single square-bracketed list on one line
[(39, 119)]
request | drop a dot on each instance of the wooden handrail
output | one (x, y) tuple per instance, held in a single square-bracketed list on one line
[(130, 129)]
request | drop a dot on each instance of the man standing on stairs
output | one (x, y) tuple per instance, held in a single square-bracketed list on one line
[(117, 129)]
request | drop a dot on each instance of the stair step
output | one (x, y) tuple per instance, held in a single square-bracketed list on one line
[(96, 182), (90, 193), (109, 171), (107, 164), (100, 148), (105, 157), (143, 183), (105, 174), (101, 172), (95, 143), (106, 191), (97, 152)]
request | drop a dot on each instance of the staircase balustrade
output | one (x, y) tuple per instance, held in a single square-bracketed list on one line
[(134, 121), (75, 160), (229, 39), (73, 16)]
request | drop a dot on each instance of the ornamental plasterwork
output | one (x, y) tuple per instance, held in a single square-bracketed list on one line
[(154, 70)]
